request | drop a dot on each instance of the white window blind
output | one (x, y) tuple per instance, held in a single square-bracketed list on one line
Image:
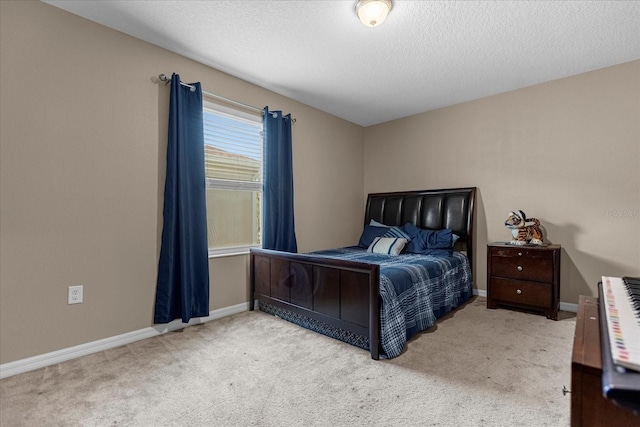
[(233, 169)]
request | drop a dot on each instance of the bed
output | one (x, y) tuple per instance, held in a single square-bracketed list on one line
[(360, 297)]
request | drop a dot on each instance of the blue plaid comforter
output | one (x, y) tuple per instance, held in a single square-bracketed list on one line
[(415, 290)]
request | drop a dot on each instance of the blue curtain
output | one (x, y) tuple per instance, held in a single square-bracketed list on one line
[(279, 228), (183, 270)]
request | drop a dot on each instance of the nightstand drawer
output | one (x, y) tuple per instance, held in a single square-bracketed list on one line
[(521, 292), (539, 268)]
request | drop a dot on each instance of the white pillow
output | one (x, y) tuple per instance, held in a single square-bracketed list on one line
[(387, 245)]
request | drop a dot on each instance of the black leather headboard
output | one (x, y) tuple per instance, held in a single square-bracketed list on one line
[(429, 209)]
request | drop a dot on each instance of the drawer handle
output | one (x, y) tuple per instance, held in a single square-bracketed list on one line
[(518, 292), (519, 253), (519, 268)]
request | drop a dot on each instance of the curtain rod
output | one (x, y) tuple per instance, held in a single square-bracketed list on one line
[(164, 78)]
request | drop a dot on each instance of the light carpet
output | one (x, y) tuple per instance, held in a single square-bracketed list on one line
[(476, 367)]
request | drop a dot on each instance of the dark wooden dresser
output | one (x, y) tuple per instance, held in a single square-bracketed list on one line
[(524, 276), (588, 406)]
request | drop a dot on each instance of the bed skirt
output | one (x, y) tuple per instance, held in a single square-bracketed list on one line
[(316, 326)]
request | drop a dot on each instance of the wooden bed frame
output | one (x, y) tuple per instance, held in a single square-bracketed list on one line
[(344, 294)]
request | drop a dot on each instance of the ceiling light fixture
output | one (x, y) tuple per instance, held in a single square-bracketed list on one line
[(373, 12)]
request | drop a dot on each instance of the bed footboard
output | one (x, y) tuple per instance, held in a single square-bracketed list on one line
[(342, 294)]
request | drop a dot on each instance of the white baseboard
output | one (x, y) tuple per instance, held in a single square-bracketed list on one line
[(567, 306), (480, 292), (48, 359)]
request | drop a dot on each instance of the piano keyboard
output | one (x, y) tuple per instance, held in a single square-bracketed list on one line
[(622, 308)]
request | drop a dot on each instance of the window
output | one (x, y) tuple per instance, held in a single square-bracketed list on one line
[(233, 170)]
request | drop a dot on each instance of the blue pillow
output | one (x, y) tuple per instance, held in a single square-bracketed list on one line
[(397, 232), (369, 233), (416, 243), (438, 239), (428, 242)]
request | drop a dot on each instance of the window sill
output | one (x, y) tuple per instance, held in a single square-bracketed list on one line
[(231, 251)]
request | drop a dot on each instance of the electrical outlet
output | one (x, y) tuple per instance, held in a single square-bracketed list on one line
[(75, 294)]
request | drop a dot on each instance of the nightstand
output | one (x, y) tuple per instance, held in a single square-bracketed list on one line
[(524, 276)]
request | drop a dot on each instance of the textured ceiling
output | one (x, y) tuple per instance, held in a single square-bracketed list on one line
[(426, 55)]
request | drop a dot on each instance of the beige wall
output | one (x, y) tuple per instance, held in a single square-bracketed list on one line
[(566, 152), (82, 140)]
